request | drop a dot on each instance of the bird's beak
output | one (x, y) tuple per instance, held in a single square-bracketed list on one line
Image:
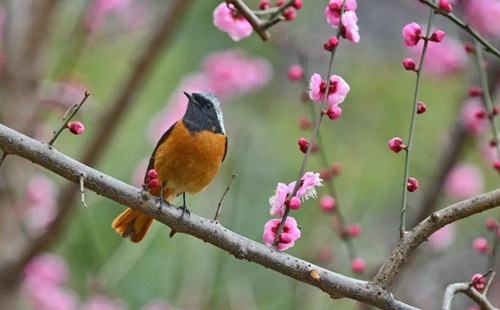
[(190, 97)]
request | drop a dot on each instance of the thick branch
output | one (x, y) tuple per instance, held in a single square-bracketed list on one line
[(465, 288), (431, 224), (336, 285)]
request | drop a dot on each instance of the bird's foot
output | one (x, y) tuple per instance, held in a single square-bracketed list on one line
[(184, 210), (162, 202)]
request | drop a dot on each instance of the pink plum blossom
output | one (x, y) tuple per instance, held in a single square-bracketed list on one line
[(396, 145), (287, 238), (350, 29), (50, 297), (412, 184), (337, 90), (227, 19), (47, 269), (294, 203), (277, 201), (354, 230), (412, 33), (464, 181), (442, 238), (491, 224), (334, 112), (43, 277), (76, 128), (478, 281), (445, 5), (233, 72), (482, 15), (307, 187), (295, 73), (327, 203), (332, 11), (305, 191), (437, 36), (358, 265), (469, 116), (481, 245), (446, 57)]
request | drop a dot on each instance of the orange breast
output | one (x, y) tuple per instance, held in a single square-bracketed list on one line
[(188, 162)]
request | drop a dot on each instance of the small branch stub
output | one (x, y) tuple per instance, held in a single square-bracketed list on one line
[(67, 117), (82, 189), (219, 207)]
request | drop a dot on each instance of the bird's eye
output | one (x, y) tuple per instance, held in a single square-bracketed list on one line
[(209, 106)]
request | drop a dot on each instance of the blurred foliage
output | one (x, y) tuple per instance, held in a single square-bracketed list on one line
[(262, 130)]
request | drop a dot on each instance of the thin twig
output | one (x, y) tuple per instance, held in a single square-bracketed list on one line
[(250, 16), (313, 137), (219, 206), (67, 117), (486, 95), (488, 47), (490, 280), (339, 221), (82, 189), (402, 227), (465, 288)]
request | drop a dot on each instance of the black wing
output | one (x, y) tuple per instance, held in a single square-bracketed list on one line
[(225, 151), (151, 164)]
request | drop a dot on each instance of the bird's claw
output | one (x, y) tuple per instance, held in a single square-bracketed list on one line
[(162, 201), (184, 210)]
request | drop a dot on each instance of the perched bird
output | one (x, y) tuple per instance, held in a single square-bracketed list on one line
[(187, 158)]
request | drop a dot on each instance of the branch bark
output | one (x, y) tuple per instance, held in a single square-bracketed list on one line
[(465, 288), (334, 284), (412, 239)]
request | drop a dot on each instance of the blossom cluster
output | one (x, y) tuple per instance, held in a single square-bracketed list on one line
[(286, 197), (348, 21)]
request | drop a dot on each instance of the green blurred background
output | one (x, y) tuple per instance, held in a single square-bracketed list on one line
[(262, 131)]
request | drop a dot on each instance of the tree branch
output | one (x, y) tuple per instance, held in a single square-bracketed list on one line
[(465, 288), (334, 284), (426, 228)]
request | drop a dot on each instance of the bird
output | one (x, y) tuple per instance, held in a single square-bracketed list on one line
[(186, 158)]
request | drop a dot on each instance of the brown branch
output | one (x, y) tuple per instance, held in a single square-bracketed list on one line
[(465, 288), (334, 284), (250, 16), (426, 228)]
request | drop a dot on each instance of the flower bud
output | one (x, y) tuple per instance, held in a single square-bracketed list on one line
[(294, 203), (409, 64), (76, 128), (396, 145), (412, 185)]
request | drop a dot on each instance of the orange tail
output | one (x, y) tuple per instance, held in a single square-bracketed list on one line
[(133, 224)]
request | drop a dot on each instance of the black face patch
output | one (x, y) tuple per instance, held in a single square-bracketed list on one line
[(203, 102), (201, 115)]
